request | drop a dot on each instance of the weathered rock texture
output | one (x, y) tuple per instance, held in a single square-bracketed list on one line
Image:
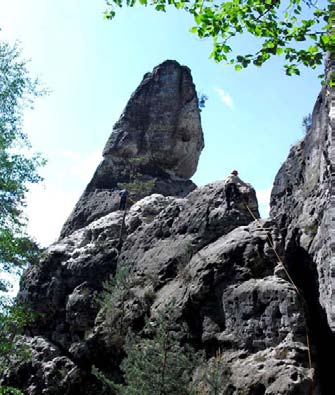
[(216, 266), (300, 199), (156, 143), (231, 279), (302, 204)]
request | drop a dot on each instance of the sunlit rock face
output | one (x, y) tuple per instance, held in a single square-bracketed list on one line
[(303, 207), (301, 204), (160, 125), (154, 146)]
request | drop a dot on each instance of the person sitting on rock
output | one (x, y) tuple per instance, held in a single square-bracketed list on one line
[(232, 182), (123, 199)]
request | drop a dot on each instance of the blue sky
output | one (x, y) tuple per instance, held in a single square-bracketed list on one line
[(92, 66)]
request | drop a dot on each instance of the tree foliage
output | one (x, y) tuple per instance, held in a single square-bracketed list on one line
[(137, 185), (306, 122), (156, 364), (298, 30), (18, 168), (13, 319), (202, 98), (113, 302)]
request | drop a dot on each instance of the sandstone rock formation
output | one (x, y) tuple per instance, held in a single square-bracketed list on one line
[(156, 143), (259, 291), (301, 198), (216, 265), (302, 204)]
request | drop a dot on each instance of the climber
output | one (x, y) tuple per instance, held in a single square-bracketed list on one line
[(123, 199), (232, 182)]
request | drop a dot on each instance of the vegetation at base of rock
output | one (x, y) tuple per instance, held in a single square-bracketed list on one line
[(13, 320), (211, 379), (116, 292), (137, 186), (156, 364), (10, 391), (298, 30)]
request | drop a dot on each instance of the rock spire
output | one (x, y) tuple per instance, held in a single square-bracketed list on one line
[(154, 146)]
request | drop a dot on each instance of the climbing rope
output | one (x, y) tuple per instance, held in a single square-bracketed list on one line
[(273, 249), (280, 261), (123, 226)]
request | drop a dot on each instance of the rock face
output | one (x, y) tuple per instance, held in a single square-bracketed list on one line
[(215, 265), (154, 146), (257, 291), (302, 204)]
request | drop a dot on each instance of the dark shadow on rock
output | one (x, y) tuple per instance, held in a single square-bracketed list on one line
[(304, 274)]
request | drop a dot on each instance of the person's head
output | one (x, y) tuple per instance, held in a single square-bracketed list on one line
[(235, 172)]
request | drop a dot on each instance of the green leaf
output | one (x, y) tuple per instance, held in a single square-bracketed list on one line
[(312, 49), (160, 7), (238, 67), (198, 18), (279, 51), (282, 25), (324, 39)]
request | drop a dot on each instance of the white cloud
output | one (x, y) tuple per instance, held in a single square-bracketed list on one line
[(225, 98), (263, 197)]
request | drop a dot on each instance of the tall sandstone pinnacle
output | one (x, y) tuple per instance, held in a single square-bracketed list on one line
[(154, 146)]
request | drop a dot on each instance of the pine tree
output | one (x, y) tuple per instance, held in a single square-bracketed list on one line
[(116, 293), (157, 364)]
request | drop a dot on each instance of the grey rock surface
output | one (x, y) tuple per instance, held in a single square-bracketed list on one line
[(48, 371), (154, 146), (300, 204), (215, 266)]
